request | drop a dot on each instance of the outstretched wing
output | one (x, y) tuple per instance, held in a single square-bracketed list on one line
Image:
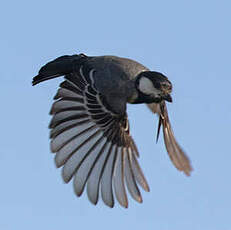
[(175, 152), (92, 143)]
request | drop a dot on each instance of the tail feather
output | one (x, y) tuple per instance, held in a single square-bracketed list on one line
[(58, 67)]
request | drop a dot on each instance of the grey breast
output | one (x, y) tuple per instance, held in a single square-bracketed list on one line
[(114, 78)]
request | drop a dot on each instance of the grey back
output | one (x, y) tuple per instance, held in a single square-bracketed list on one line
[(114, 78)]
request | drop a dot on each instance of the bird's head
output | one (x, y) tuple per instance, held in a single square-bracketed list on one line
[(152, 87)]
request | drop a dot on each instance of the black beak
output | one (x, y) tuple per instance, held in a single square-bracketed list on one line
[(168, 98)]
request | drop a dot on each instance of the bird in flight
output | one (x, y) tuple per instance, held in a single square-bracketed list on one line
[(89, 129)]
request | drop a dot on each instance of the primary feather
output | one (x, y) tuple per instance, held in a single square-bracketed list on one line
[(90, 130)]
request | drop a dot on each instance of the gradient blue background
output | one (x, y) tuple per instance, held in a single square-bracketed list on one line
[(189, 41)]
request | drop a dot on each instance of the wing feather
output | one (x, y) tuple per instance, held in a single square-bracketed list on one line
[(90, 141)]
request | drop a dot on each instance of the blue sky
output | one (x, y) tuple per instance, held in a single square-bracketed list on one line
[(189, 41)]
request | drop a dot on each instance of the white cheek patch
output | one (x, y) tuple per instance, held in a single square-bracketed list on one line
[(146, 87)]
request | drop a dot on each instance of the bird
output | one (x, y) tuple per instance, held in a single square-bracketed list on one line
[(89, 129)]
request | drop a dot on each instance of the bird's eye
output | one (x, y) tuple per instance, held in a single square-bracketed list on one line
[(157, 85)]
